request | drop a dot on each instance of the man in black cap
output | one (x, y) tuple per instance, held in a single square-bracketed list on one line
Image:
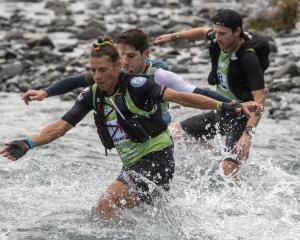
[(238, 74)]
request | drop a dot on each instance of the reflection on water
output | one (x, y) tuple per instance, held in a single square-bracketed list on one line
[(51, 192)]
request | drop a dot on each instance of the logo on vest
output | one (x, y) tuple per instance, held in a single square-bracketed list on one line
[(138, 81), (107, 109), (80, 97)]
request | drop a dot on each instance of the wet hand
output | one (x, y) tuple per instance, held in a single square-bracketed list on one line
[(242, 147), (176, 130), (32, 95), (252, 108), (14, 150), (247, 108)]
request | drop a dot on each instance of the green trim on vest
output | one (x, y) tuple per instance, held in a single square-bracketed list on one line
[(165, 106), (131, 152), (250, 50), (151, 71), (134, 109), (94, 91)]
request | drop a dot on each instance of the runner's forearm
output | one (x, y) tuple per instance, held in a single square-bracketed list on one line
[(51, 132), (259, 97), (192, 34), (190, 99), (211, 94)]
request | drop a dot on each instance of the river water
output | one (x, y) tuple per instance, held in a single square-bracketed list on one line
[(52, 191)]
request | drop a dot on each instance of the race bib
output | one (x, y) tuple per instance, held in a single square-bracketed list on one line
[(115, 131), (222, 80)]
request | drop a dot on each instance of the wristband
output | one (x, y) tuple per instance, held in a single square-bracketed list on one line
[(29, 142), (219, 106), (47, 90), (177, 36)]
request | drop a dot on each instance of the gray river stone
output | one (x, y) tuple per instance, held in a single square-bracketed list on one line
[(11, 70), (289, 68)]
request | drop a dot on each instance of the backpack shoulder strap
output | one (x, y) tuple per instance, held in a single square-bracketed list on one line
[(245, 47), (94, 93), (150, 70), (124, 80)]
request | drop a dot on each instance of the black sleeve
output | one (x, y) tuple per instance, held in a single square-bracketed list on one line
[(144, 91), (67, 84), (81, 107), (153, 90), (254, 74), (212, 94), (146, 88)]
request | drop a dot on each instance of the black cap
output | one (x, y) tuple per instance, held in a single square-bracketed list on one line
[(228, 18)]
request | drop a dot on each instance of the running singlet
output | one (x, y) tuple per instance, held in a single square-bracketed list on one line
[(222, 72)]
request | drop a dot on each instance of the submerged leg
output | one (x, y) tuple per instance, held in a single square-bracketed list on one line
[(116, 196), (230, 167)]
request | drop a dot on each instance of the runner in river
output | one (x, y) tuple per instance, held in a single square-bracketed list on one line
[(128, 116), (238, 73)]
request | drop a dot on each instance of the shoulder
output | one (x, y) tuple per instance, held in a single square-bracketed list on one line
[(246, 51), (163, 76), (85, 94), (164, 73), (137, 81), (88, 78), (248, 55)]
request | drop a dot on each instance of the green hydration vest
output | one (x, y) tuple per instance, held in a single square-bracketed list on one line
[(236, 79), (112, 135)]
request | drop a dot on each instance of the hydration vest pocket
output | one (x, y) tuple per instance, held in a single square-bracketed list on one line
[(102, 132), (135, 129)]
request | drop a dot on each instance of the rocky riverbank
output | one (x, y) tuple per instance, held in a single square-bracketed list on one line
[(42, 41)]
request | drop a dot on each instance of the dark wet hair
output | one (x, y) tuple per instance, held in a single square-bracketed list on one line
[(104, 47), (134, 37)]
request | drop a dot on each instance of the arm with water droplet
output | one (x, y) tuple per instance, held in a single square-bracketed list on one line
[(16, 149)]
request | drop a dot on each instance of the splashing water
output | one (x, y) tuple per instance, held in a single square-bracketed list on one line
[(51, 192)]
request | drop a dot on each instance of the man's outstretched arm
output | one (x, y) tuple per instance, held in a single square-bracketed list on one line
[(17, 148), (198, 33), (211, 94), (202, 102), (60, 87), (242, 147)]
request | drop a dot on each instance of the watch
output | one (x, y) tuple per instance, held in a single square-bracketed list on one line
[(250, 130)]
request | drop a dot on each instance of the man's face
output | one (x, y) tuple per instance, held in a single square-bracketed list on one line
[(132, 60), (105, 73), (226, 38)]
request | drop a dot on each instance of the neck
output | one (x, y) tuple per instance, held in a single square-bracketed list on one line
[(234, 46), (144, 68), (110, 92), (113, 89)]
